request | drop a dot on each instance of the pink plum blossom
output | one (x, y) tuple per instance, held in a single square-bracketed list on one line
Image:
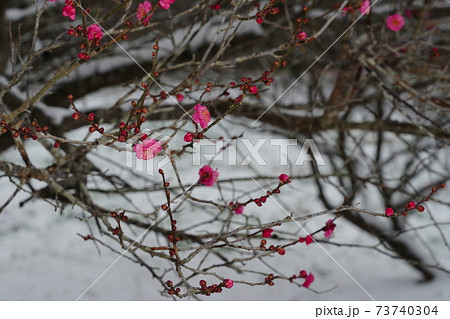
[(201, 115), (308, 239), (395, 22), (208, 176), (148, 149), (365, 7), (94, 32), (142, 11), (308, 280), (69, 11), (239, 210), (165, 4), (329, 228)]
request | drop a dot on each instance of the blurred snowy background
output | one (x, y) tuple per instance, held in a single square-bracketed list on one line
[(42, 257)]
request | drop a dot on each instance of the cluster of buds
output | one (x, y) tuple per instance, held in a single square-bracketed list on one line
[(38, 128), (24, 132), (173, 239), (247, 85), (172, 290), (268, 9), (267, 233), (215, 288), (411, 205), (283, 180), (277, 64), (90, 118), (173, 224), (299, 34), (125, 130), (236, 100), (76, 31), (208, 87), (190, 136), (265, 77), (280, 250), (269, 280), (155, 55), (259, 201), (84, 56), (138, 111), (347, 9), (117, 231), (119, 216), (91, 34), (304, 275), (263, 244), (155, 51), (307, 240)]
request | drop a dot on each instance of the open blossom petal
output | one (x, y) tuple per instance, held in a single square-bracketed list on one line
[(94, 32), (148, 149), (208, 176), (395, 22), (239, 210), (308, 280), (365, 7), (165, 4), (69, 11), (142, 11), (201, 115), (329, 228)]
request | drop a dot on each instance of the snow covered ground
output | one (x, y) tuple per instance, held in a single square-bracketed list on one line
[(42, 258)]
